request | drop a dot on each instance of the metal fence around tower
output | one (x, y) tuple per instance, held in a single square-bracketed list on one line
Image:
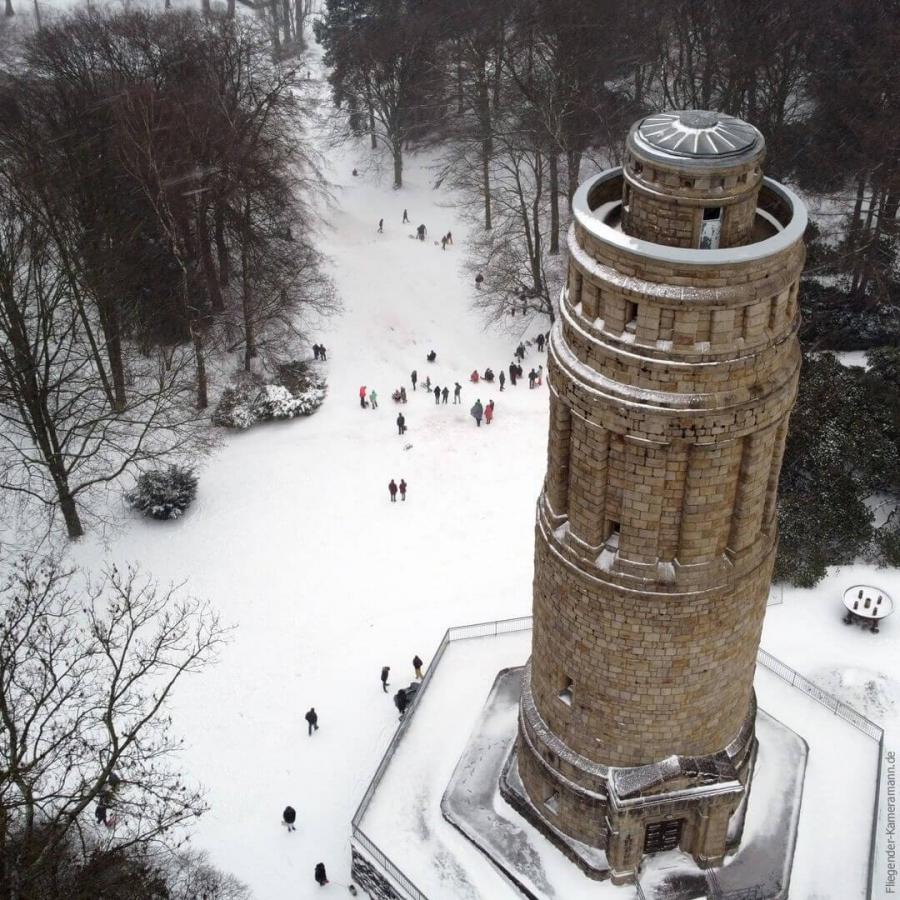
[(500, 627)]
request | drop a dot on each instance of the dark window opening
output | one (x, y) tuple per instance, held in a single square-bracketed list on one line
[(631, 314), (687, 182), (566, 693), (712, 213), (552, 803), (638, 167)]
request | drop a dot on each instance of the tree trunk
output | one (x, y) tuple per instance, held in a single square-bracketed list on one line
[(573, 164), (206, 259), (9, 9), (397, 150), (112, 333), (230, 8), (371, 110), (246, 310), (487, 141), (554, 203), (276, 38), (536, 223), (222, 246), (204, 6), (286, 19), (37, 15), (69, 510), (202, 389)]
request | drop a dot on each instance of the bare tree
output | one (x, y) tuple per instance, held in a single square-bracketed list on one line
[(86, 679), (60, 439)]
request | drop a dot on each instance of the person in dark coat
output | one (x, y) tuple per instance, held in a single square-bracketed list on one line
[(437, 395), (401, 701), (513, 374), (444, 242), (477, 411), (100, 813), (445, 394), (449, 237), (417, 665), (321, 877), (421, 231), (322, 352), (385, 672), (540, 343), (392, 489), (502, 379), (531, 377), (412, 377), (432, 356), (479, 280), (380, 226), (316, 350), (289, 816), (312, 719), (401, 423), (405, 218), (518, 371), (402, 489), (520, 351), (457, 393), (403, 395)]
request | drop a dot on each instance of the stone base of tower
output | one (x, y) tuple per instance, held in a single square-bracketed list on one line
[(692, 803)]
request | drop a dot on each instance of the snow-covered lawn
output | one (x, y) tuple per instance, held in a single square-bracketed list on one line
[(294, 540)]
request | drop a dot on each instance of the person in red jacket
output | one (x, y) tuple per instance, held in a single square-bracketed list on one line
[(362, 396), (474, 377), (489, 413)]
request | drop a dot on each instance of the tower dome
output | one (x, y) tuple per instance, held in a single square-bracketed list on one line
[(692, 179)]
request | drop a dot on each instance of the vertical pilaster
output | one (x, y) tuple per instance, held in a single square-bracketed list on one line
[(557, 480)]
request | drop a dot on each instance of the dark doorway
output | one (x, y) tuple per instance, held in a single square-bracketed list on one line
[(662, 836)]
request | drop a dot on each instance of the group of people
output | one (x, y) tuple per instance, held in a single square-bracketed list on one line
[(479, 412), (402, 697), (319, 351), (371, 400), (394, 489)]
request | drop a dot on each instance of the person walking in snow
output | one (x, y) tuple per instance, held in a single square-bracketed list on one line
[(312, 720), (373, 399), (392, 490), (437, 395), (531, 377), (401, 701), (100, 814), (428, 383), (316, 350), (540, 343), (445, 395), (457, 393), (412, 377), (502, 379), (518, 371), (520, 351), (477, 411), (322, 352), (421, 231), (401, 423), (362, 396), (402, 489), (320, 876), (444, 242), (288, 817), (385, 672), (479, 280), (417, 665), (512, 374), (403, 395), (539, 375), (489, 413), (405, 218), (380, 226), (450, 238)]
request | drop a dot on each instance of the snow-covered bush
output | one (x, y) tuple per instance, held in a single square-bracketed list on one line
[(297, 392), (164, 493)]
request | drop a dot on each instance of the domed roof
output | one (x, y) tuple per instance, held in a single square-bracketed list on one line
[(698, 135)]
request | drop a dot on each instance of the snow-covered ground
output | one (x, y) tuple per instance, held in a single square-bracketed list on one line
[(293, 539)]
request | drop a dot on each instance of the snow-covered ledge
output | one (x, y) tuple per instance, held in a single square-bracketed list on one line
[(593, 221)]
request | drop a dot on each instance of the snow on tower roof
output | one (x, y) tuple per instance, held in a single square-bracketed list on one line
[(696, 136)]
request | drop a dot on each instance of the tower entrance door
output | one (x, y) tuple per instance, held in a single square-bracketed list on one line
[(661, 836)]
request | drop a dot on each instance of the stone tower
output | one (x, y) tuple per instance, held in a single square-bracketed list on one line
[(673, 368)]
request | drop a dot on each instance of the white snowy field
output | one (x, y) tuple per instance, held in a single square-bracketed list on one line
[(293, 539)]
